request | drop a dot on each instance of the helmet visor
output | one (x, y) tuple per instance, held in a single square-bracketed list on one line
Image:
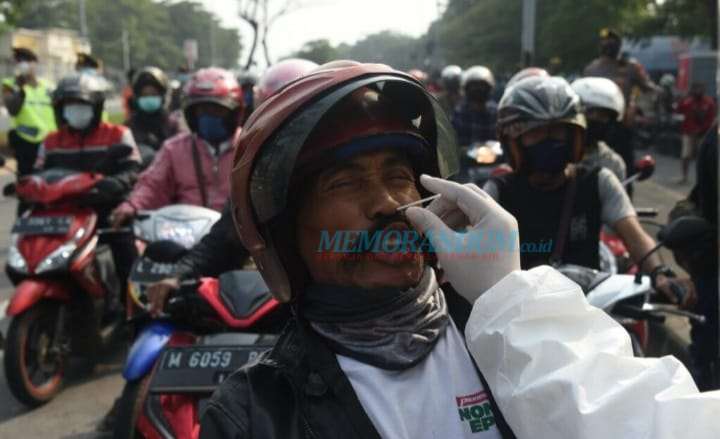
[(274, 166)]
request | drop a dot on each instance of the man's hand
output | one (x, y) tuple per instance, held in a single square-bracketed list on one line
[(121, 215), (665, 284), (159, 292), (477, 258)]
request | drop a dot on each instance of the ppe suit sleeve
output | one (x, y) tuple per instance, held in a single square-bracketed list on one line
[(560, 368), (156, 186)]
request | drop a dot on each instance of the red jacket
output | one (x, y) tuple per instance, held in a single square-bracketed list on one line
[(79, 151), (699, 114)]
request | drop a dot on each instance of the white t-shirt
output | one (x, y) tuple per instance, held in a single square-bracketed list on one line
[(442, 397)]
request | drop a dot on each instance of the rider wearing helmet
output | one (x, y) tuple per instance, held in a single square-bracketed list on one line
[(220, 250), (527, 72), (194, 167), (560, 204), (339, 151), (81, 142), (279, 74), (149, 120), (474, 119), (450, 78), (603, 106)]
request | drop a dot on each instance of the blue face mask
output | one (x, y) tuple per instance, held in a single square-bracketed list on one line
[(212, 128), (549, 156), (149, 104)]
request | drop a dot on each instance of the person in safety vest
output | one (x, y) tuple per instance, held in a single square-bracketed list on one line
[(28, 100)]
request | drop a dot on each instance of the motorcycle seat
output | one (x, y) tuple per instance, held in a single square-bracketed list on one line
[(243, 292)]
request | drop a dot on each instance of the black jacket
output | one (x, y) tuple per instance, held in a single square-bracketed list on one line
[(217, 252), (298, 390)]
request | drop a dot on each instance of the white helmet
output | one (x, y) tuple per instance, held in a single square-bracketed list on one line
[(478, 73), (451, 72), (600, 93)]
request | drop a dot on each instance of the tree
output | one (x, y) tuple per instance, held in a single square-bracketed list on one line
[(260, 15), (319, 51), (685, 18), (398, 50), (156, 30)]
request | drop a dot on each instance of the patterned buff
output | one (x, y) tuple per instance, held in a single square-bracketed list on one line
[(387, 328)]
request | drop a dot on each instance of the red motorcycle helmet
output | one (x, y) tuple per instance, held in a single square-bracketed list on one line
[(277, 75), (213, 85), (299, 125)]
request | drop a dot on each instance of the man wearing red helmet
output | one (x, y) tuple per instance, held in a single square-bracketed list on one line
[(374, 348), (220, 251), (193, 168)]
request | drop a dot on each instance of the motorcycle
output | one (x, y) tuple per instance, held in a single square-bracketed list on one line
[(65, 280), (211, 327), (479, 160), (630, 299)]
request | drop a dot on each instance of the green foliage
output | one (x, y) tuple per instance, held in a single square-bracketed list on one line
[(397, 50), (319, 51), (156, 30)]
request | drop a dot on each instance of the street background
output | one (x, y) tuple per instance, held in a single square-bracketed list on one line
[(74, 413)]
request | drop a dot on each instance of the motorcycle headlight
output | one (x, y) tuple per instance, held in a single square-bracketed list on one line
[(58, 258), (15, 259)]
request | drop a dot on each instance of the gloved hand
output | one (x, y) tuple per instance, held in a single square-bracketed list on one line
[(485, 250), (122, 214), (108, 190)]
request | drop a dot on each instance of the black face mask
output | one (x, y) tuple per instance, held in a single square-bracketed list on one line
[(550, 156), (479, 94), (596, 131), (610, 48)]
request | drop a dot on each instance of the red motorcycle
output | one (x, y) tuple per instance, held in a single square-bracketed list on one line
[(210, 329), (63, 277)]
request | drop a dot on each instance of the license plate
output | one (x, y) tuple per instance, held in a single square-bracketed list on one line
[(200, 369), (147, 271), (42, 225)]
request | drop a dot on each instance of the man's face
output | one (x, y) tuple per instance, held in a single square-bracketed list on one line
[(360, 195)]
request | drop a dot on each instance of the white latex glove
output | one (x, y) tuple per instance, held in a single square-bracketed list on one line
[(477, 258)]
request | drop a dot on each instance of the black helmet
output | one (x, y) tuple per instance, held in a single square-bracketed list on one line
[(150, 76), (538, 101), (80, 87)]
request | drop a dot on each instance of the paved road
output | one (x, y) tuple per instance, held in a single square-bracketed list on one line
[(74, 413)]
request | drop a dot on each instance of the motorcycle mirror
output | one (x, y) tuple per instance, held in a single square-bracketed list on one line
[(645, 167), (9, 190), (684, 231)]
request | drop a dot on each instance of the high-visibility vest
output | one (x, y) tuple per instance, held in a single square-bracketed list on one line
[(36, 117)]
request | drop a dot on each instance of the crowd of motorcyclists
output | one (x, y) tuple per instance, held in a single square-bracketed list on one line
[(375, 347)]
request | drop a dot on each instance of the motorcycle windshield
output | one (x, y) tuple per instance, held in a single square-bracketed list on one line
[(274, 167)]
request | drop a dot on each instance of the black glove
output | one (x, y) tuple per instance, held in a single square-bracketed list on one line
[(107, 191)]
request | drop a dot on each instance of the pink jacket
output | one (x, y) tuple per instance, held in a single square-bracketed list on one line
[(171, 178)]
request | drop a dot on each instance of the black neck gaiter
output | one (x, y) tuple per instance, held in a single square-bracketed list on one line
[(388, 328)]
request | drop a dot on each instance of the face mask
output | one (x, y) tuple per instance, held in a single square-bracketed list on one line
[(549, 156), (23, 68), (596, 131), (78, 116), (149, 104), (212, 128), (88, 71), (478, 94)]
